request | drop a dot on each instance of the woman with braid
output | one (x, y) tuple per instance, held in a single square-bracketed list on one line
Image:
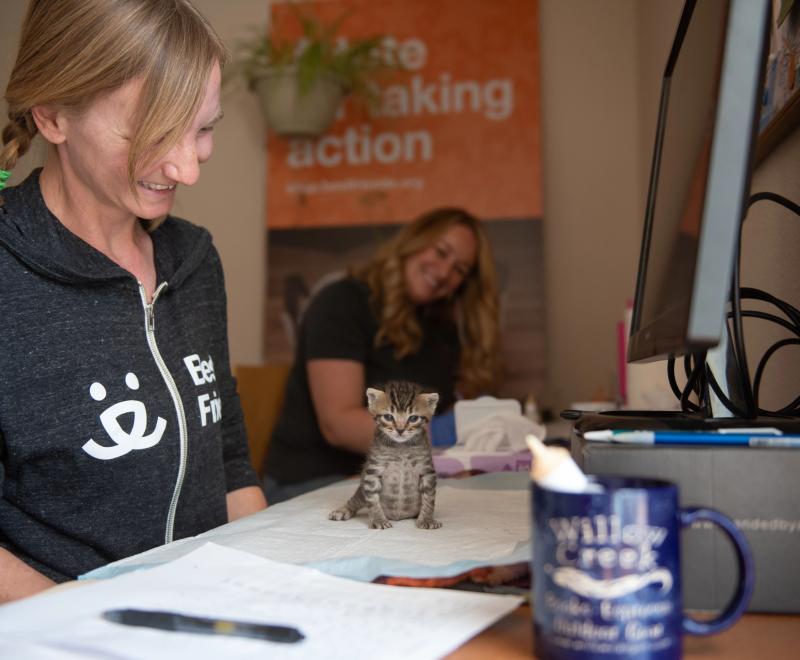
[(424, 309), (120, 428)]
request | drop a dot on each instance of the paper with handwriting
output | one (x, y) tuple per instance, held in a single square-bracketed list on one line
[(340, 618)]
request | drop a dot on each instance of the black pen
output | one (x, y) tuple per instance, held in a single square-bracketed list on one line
[(205, 626)]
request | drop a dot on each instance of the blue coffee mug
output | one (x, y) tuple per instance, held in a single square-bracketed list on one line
[(606, 571)]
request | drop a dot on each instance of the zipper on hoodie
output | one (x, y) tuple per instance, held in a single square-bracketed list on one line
[(150, 325)]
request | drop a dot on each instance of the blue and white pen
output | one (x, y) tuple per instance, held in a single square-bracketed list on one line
[(752, 437)]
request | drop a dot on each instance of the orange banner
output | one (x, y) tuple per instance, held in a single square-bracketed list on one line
[(459, 126)]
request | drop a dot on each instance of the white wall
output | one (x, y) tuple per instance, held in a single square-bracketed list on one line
[(592, 188), (229, 199)]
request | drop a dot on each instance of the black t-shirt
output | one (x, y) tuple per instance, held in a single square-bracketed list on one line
[(339, 324)]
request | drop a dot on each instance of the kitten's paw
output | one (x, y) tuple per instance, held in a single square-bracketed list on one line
[(379, 524), (428, 524), (340, 514)]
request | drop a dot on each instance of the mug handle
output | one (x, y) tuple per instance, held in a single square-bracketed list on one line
[(744, 557)]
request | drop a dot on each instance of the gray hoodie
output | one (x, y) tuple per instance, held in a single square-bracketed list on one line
[(120, 426)]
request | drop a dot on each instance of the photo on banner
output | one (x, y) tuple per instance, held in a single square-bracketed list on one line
[(458, 125)]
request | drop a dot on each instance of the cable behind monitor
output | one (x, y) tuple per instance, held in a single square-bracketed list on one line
[(739, 394)]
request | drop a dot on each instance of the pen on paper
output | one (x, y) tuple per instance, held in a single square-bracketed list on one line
[(176, 622), (750, 438)]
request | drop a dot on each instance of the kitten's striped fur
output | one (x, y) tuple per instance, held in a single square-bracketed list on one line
[(398, 479)]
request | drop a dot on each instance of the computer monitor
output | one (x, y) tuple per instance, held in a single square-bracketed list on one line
[(700, 177)]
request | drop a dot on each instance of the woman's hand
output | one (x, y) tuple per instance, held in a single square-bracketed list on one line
[(244, 501), (18, 580)]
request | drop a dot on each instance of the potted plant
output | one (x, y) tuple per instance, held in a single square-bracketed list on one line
[(300, 83)]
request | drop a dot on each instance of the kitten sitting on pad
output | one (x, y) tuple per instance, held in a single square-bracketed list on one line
[(398, 479)]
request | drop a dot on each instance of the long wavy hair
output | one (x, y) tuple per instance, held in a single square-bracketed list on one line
[(73, 51), (474, 307)]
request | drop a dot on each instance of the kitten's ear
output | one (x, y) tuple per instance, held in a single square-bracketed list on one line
[(375, 399), (429, 402)]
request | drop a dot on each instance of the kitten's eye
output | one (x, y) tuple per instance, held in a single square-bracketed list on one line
[(413, 418), (388, 417)]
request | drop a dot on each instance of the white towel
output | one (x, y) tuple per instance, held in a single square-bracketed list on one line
[(498, 432)]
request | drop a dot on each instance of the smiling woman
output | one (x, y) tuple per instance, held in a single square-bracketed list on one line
[(423, 309), (94, 202), (120, 426), (439, 270)]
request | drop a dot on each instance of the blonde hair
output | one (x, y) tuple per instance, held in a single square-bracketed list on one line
[(73, 51), (474, 307)]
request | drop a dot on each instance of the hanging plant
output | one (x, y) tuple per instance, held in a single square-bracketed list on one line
[(301, 83)]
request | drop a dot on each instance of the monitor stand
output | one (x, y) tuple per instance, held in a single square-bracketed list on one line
[(720, 361)]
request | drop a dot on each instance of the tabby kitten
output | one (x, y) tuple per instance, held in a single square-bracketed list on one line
[(398, 479)]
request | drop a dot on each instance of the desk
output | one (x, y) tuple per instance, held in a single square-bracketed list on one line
[(769, 636), (755, 636)]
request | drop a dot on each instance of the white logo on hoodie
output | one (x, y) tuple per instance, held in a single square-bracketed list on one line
[(202, 373), (125, 441)]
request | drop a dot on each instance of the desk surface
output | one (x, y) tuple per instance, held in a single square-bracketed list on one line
[(772, 636)]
